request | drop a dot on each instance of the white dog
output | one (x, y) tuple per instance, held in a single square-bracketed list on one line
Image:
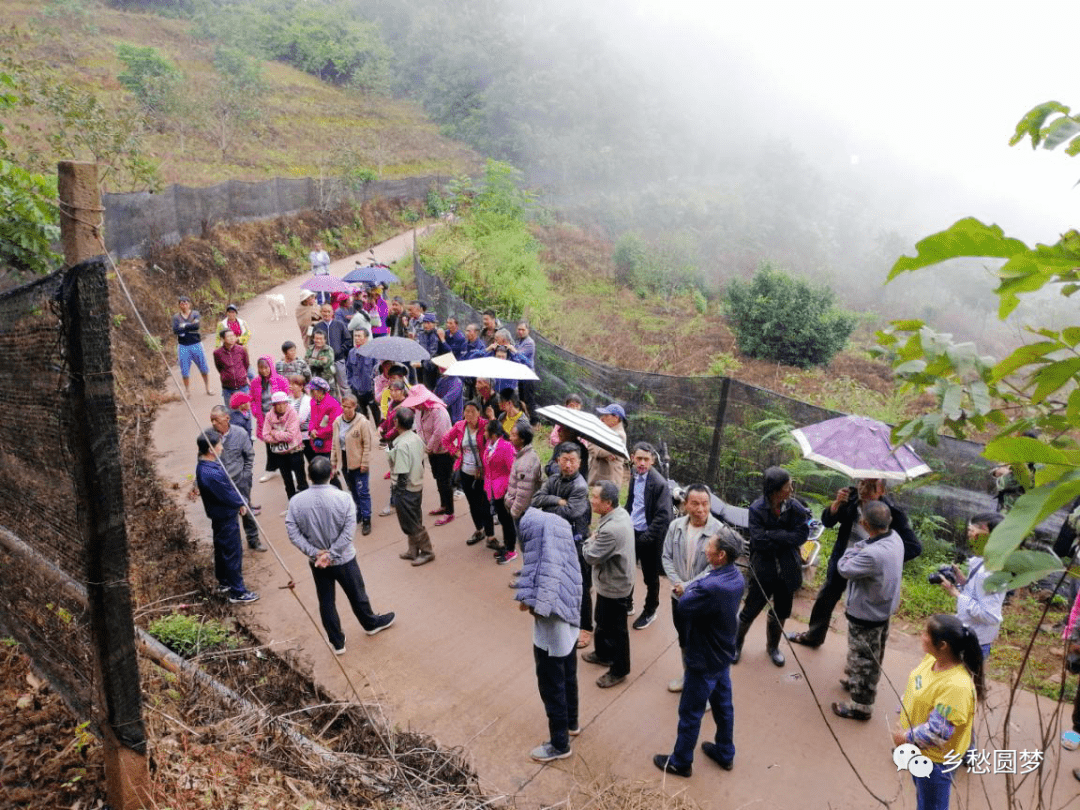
[(277, 306)]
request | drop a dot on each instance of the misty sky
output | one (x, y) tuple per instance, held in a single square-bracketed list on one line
[(936, 85)]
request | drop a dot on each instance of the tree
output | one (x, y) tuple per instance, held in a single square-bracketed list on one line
[(1037, 386), (787, 320), (239, 89), (151, 78), (28, 217)]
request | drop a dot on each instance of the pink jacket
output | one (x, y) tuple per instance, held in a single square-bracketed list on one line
[(498, 460), (432, 424), (283, 428), (321, 424), (277, 383), (453, 438)]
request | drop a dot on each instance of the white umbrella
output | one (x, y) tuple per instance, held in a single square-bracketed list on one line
[(586, 425), (491, 368)]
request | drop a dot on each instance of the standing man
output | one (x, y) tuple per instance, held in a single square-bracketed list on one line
[(238, 459), (223, 505), (452, 339), (307, 315), (526, 349), (873, 569), (321, 523), (473, 342), (407, 467), (684, 557), (491, 326), (231, 362), (550, 589), (360, 373), (337, 338), (185, 325), (650, 508), (567, 495), (844, 512), (610, 552), (320, 266), (707, 613), (429, 339)]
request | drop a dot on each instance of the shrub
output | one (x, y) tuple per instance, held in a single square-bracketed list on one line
[(190, 635), (780, 318)]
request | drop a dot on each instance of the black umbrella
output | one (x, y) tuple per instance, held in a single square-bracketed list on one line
[(394, 348)]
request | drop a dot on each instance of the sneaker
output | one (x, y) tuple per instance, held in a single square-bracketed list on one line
[(407, 555), (365, 526), (546, 752), (222, 588), (644, 620), (475, 538), (339, 650), (629, 608), (244, 598), (608, 680), (574, 731), (675, 685), (458, 494), (663, 762), (383, 622), (264, 478), (506, 557), (258, 547), (390, 510), (494, 544), (710, 750), (422, 559)]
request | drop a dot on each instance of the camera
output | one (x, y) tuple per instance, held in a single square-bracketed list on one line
[(852, 494), (1072, 659), (943, 573)]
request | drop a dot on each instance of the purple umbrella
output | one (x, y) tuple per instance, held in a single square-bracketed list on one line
[(859, 447), (331, 284)]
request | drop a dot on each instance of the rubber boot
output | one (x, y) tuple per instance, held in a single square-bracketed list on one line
[(744, 627), (774, 631)]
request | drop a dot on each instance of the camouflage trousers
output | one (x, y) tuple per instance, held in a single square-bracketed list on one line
[(866, 649)]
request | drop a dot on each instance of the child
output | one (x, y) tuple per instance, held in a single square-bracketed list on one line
[(979, 610), (938, 712)]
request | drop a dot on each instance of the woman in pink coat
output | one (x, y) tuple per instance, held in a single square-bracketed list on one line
[(324, 410), (466, 441), (265, 383), (498, 458)]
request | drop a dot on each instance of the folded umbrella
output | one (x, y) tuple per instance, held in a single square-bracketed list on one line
[(859, 447), (394, 348), (585, 424), (492, 368)]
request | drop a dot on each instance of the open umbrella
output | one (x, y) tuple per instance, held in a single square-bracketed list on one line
[(394, 348), (372, 274), (859, 447), (585, 424), (492, 368), (330, 284)]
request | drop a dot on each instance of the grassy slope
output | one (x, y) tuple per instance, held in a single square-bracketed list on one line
[(305, 121)]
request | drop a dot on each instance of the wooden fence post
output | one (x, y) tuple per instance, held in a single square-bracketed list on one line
[(99, 489)]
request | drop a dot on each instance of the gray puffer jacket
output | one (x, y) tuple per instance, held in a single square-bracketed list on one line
[(550, 581)]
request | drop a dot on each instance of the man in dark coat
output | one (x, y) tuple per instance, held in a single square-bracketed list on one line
[(707, 616), (651, 511), (844, 512)]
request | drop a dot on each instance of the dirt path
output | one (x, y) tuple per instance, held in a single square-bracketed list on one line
[(458, 664)]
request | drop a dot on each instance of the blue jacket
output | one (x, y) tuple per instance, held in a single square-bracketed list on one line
[(360, 372), (220, 500), (455, 343), (448, 389), (708, 615), (550, 581)]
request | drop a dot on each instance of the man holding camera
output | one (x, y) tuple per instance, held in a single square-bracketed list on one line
[(844, 512)]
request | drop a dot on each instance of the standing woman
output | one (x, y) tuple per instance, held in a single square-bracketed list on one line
[(467, 441), (324, 410), (350, 452), (236, 324), (510, 409), (307, 315), (498, 457), (284, 448), (938, 710), (779, 525), (264, 384), (301, 403)]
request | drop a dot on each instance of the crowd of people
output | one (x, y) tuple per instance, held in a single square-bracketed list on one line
[(325, 408)]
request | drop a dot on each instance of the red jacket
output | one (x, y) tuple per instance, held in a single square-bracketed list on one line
[(453, 438), (321, 424), (498, 461), (232, 364)]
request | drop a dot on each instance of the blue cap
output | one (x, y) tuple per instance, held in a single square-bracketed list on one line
[(613, 409)]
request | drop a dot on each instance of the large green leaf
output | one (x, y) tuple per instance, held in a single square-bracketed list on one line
[(1032, 123), (1030, 510), (1023, 450), (966, 238), (1023, 567), (1052, 377)]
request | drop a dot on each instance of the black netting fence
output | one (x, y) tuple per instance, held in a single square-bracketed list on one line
[(714, 428), (134, 221), (63, 565)]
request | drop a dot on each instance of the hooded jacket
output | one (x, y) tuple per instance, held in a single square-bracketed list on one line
[(550, 581)]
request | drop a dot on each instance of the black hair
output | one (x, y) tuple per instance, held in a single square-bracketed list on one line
[(609, 493), (495, 430), (490, 313), (222, 332), (474, 404), (403, 418), (877, 515), (567, 447), (988, 519), (698, 487), (288, 344), (207, 439), (524, 432), (508, 394), (648, 448), (774, 480), (320, 470), (947, 629)]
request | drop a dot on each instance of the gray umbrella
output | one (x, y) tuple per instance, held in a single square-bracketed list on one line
[(587, 426), (394, 348)]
